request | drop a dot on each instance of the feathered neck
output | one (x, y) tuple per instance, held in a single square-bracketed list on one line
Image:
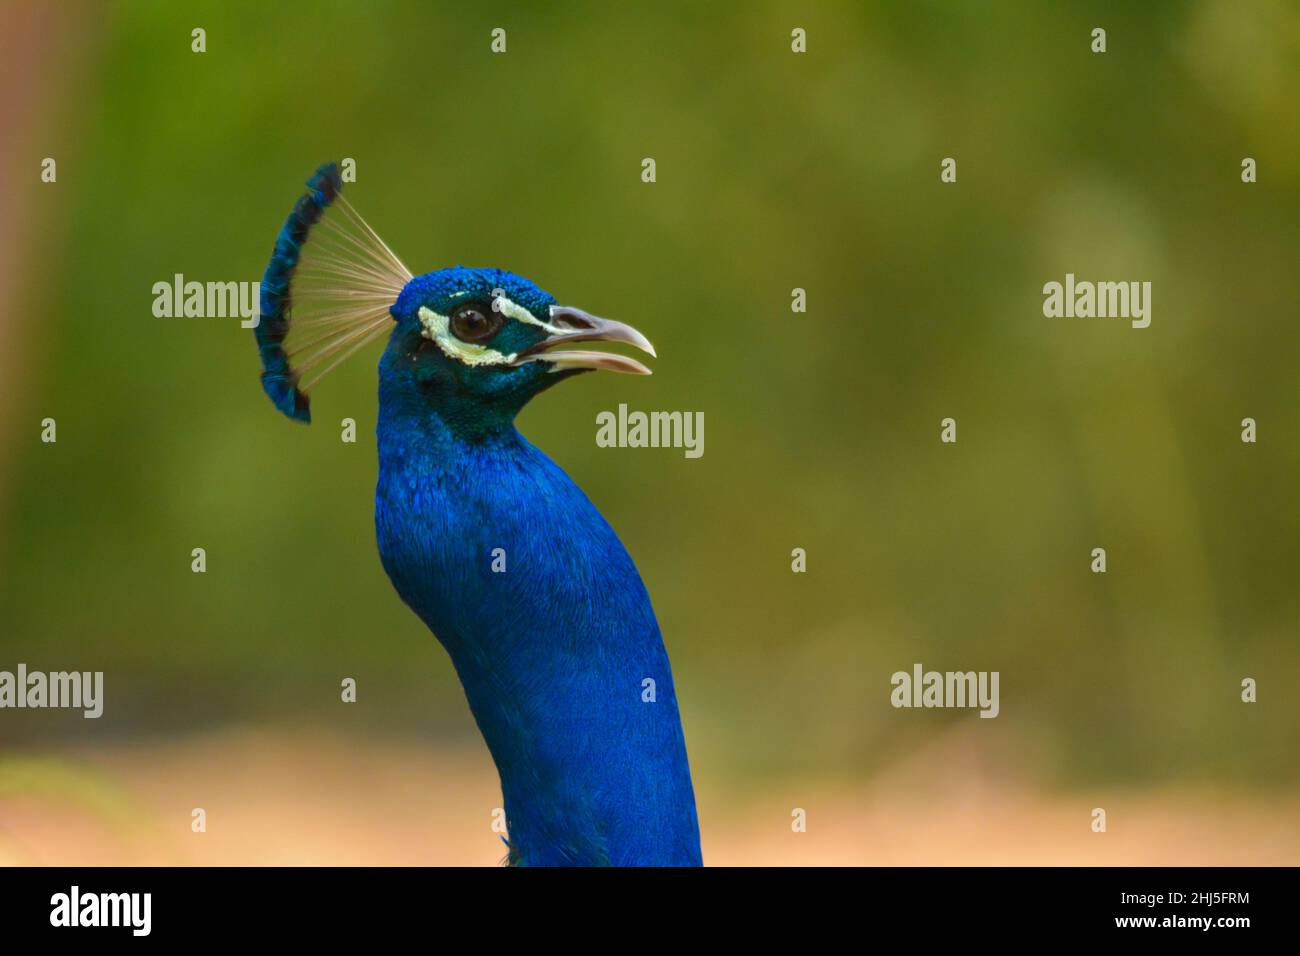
[(557, 647)]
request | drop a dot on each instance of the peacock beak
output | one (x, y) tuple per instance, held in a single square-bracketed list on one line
[(580, 326)]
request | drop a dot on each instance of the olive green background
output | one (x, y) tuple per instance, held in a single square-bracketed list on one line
[(775, 171)]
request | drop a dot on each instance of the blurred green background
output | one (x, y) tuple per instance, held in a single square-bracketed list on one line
[(775, 171)]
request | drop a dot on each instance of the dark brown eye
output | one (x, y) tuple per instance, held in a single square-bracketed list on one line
[(474, 323)]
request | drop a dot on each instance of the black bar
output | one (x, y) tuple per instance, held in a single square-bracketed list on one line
[(329, 905)]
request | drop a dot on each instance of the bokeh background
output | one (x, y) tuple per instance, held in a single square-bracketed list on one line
[(775, 171)]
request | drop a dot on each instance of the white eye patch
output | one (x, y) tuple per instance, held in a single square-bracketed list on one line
[(437, 328)]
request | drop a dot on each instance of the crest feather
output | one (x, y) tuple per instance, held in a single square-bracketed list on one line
[(325, 299)]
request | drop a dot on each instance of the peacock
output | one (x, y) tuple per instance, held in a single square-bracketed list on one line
[(543, 613)]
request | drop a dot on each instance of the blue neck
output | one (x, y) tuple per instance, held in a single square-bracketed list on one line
[(554, 652)]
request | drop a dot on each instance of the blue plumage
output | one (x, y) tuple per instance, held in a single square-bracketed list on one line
[(529, 589)]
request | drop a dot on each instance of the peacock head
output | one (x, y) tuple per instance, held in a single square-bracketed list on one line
[(493, 338), (472, 345)]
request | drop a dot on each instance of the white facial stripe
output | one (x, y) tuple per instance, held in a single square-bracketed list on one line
[(437, 328), (516, 311)]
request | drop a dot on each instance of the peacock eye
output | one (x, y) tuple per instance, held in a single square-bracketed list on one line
[(474, 323)]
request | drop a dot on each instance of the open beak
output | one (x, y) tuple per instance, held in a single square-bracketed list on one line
[(586, 328)]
